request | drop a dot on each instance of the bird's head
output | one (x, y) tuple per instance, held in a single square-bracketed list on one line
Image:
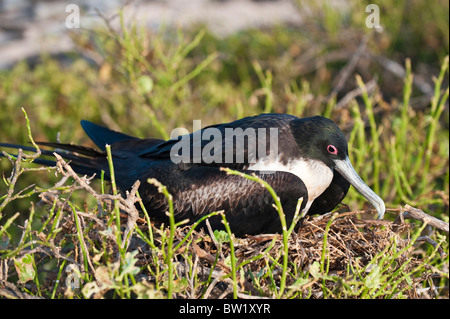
[(319, 138)]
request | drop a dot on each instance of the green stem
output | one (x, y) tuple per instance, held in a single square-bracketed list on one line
[(163, 190), (282, 217), (233, 256), (374, 134)]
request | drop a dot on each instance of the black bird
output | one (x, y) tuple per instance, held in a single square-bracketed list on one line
[(298, 157)]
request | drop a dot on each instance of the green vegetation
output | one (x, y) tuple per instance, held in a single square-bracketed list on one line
[(78, 245)]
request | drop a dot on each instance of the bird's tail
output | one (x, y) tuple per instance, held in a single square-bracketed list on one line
[(89, 161), (83, 160)]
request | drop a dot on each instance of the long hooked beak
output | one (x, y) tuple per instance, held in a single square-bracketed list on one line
[(348, 172)]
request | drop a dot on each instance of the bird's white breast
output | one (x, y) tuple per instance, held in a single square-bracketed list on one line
[(315, 174)]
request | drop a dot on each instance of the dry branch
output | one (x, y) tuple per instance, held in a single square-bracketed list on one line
[(415, 213)]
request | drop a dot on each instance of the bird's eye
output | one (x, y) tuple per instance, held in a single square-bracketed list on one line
[(332, 149)]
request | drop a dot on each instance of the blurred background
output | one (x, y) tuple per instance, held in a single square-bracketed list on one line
[(26, 23), (300, 43)]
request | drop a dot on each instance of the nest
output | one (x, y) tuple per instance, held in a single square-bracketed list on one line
[(346, 246)]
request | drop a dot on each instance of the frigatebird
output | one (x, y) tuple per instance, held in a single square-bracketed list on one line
[(307, 158)]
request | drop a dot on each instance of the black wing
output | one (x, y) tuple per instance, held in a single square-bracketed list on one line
[(247, 204), (234, 145)]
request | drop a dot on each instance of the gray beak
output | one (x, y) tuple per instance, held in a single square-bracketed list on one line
[(348, 172)]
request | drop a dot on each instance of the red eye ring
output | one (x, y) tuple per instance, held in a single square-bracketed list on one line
[(332, 149)]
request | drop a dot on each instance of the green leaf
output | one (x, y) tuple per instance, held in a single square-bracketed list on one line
[(314, 270), (299, 283), (24, 267), (221, 236), (372, 280), (129, 265)]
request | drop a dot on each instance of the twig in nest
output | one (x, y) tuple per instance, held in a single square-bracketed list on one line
[(211, 234), (209, 258), (125, 204), (415, 213), (245, 296), (213, 284), (432, 243)]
